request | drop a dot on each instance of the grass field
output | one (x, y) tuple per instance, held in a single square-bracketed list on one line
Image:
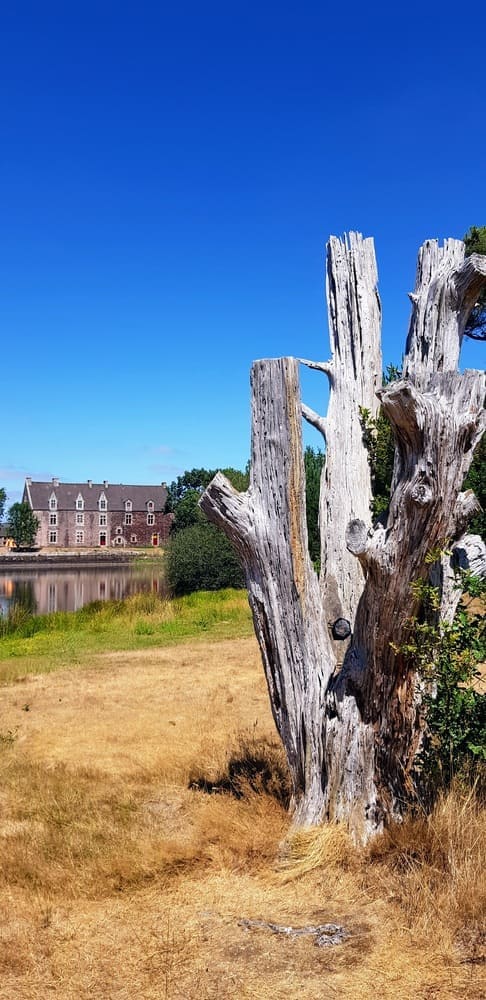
[(118, 880)]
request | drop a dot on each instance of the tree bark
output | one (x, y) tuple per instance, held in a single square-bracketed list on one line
[(267, 526), (349, 713)]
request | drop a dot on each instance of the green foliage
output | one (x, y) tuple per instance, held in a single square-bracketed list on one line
[(22, 525), (187, 511), (198, 555), (447, 657), (196, 481), (475, 241), (313, 465), (201, 558), (476, 481), (380, 444), (3, 501)]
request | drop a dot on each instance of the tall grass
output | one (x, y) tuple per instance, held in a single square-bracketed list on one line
[(41, 643)]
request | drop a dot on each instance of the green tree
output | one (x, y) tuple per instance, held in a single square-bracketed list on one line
[(475, 241), (3, 501), (379, 440), (187, 512), (476, 481), (22, 525), (313, 464), (191, 480), (196, 480)]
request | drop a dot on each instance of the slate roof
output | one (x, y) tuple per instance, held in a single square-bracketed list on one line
[(38, 494)]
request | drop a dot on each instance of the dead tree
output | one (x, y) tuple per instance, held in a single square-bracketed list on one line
[(345, 702)]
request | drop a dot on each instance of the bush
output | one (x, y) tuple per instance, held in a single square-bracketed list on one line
[(448, 657), (201, 558)]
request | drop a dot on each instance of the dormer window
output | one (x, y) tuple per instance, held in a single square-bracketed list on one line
[(128, 505), (79, 502), (53, 502), (150, 505), (102, 504)]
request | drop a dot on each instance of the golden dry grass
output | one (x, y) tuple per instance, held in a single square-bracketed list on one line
[(119, 882)]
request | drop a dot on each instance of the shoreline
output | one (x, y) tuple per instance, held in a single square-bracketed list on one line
[(71, 559)]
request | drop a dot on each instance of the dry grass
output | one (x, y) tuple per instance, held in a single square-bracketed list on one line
[(118, 881)]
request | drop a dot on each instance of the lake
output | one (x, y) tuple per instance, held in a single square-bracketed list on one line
[(44, 590)]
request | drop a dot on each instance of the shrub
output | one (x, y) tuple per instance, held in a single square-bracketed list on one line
[(448, 657), (201, 558)]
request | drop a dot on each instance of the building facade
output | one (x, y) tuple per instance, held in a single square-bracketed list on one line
[(98, 515)]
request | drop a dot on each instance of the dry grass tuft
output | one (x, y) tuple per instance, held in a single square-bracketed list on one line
[(435, 868), (317, 847)]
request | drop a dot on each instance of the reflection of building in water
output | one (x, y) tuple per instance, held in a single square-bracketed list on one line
[(51, 596), (78, 594), (47, 591)]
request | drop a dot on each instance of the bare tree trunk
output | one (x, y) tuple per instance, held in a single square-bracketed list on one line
[(349, 712), (267, 525)]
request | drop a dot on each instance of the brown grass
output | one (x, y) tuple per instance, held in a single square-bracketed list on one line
[(118, 881)]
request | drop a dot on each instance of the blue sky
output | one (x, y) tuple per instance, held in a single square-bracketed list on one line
[(169, 178)]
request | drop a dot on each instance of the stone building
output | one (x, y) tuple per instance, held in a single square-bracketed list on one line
[(73, 515)]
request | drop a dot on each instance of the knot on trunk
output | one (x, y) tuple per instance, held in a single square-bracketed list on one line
[(422, 494)]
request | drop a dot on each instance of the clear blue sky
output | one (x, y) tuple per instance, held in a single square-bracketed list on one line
[(169, 177)]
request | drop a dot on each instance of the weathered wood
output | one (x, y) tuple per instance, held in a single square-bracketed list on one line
[(267, 525), (446, 288), (355, 329), (349, 712)]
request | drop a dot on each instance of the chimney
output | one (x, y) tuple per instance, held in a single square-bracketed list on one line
[(105, 484), (55, 482), (90, 483), (28, 481)]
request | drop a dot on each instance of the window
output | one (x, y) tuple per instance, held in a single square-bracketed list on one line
[(118, 530), (102, 520), (79, 537), (133, 539), (150, 519), (79, 518), (102, 504), (53, 502), (52, 537), (128, 505), (102, 537), (53, 519), (79, 502), (150, 505), (128, 518)]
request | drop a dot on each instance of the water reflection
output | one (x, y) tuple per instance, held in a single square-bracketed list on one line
[(68, 590)]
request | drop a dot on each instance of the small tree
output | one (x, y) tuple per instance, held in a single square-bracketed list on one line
[(3, 500), (22, 525), (200, 557)]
